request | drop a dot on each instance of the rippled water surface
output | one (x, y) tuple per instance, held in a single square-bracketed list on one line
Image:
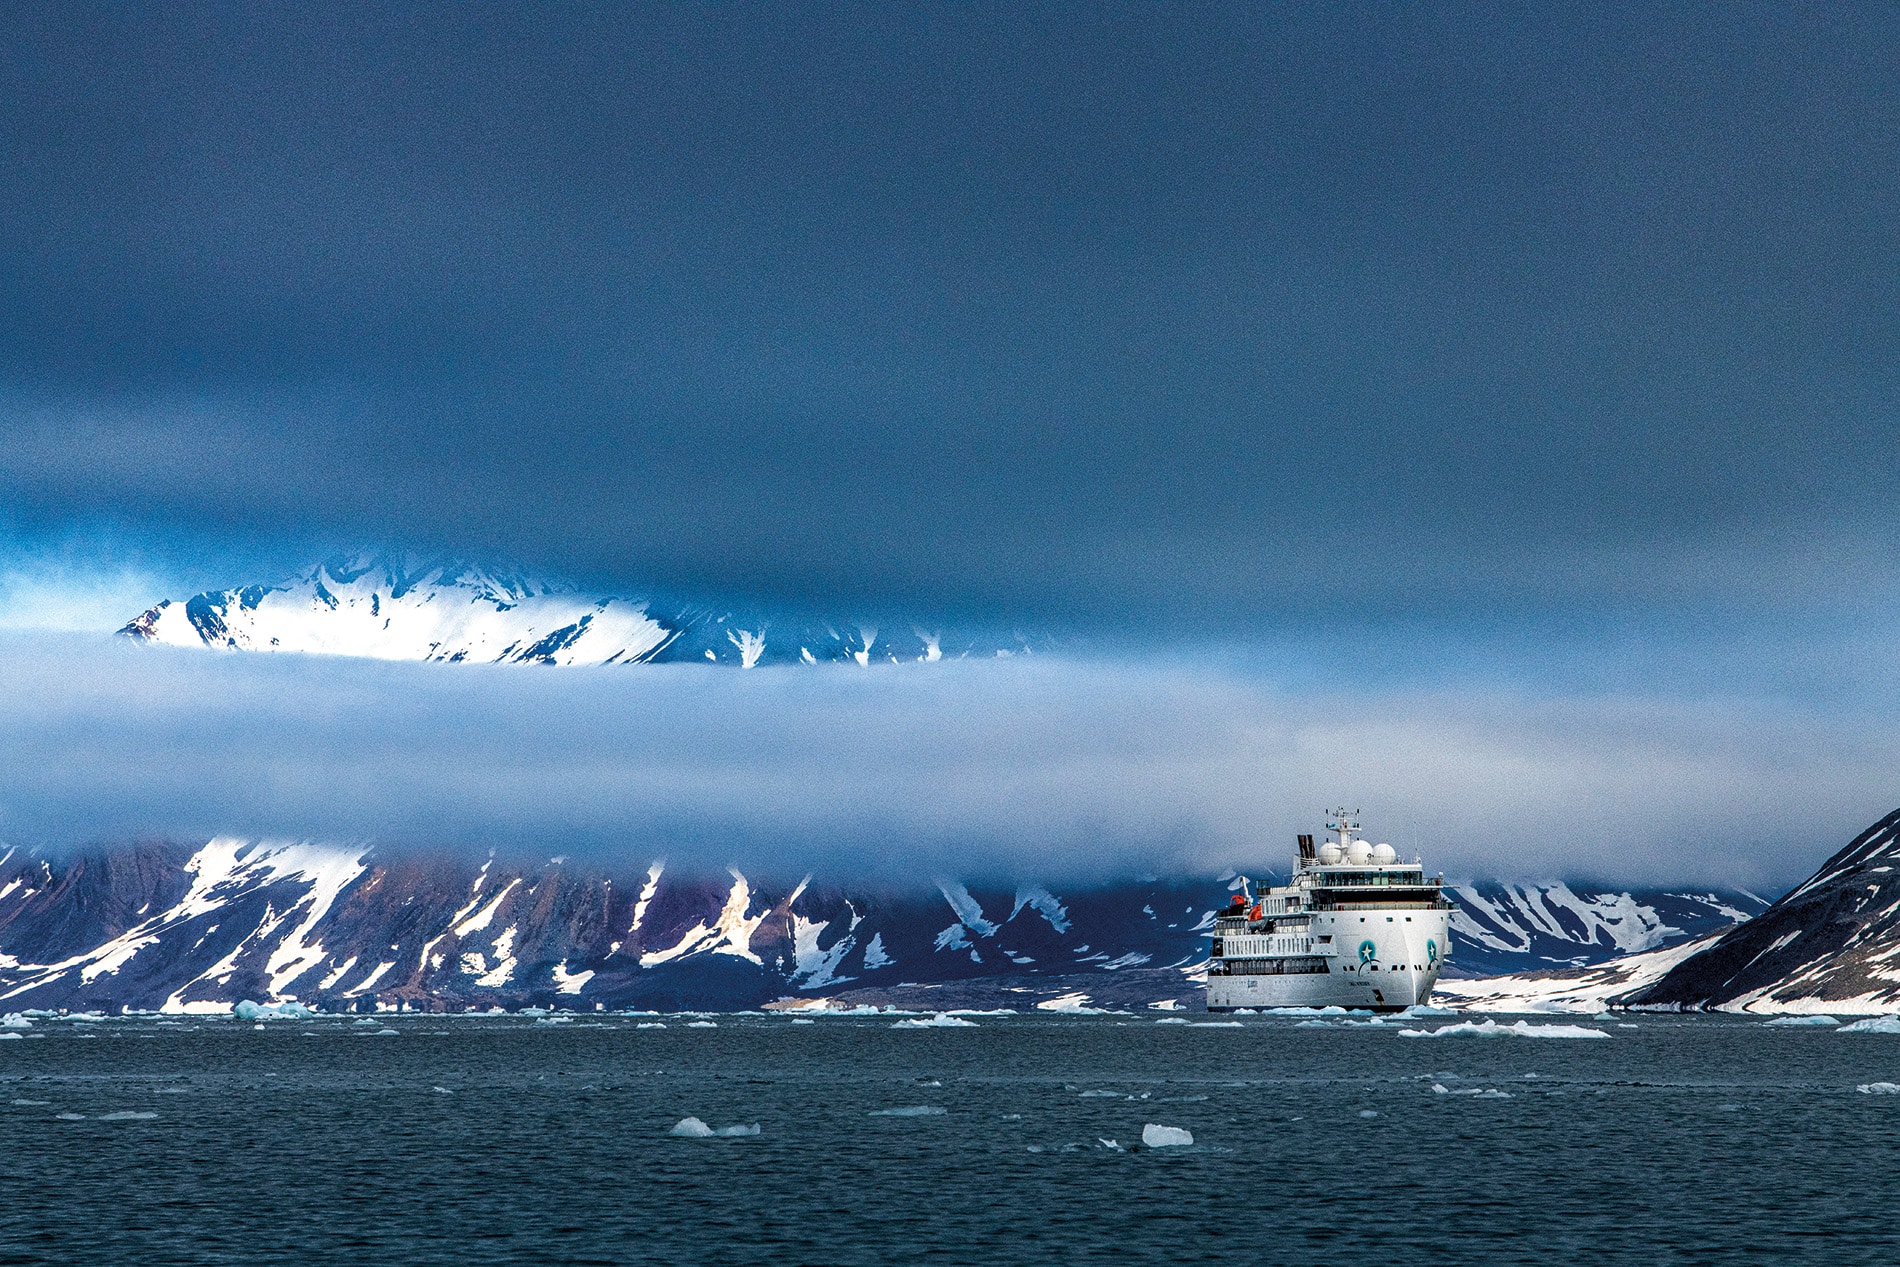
[(463, 1140)]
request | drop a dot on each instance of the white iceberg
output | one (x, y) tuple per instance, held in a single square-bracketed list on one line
[(1803, 1022), (1491, 1029), (942, 1020), (1879, 1088), (1166, 1136), (13, 1020), (127, 1115), (249, 1010), (1874, 1025), (1426, 1010)]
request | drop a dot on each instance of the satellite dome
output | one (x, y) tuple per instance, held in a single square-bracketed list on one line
[(1359, 853), (1329, 854), (1383, 854)]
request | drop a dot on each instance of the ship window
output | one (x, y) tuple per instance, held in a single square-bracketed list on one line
[(1408, 919), (1388, 919)]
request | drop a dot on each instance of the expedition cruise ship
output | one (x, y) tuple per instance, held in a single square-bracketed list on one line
[(1355, 927)]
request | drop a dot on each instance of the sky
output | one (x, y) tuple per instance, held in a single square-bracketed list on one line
[(1460, 367)]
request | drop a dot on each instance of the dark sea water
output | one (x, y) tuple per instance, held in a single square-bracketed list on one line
[(461, 1140)]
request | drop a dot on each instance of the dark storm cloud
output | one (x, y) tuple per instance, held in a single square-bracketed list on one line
[(1056, 311), (1018, 769)]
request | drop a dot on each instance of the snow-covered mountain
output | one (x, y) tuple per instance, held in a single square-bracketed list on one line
[(405, 609), (1831, 945), (1519, 927), (154, 926)]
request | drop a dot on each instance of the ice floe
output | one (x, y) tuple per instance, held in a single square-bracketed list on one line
[(1879, 1088), (1155, 1136), (941, 1020), (1491, 1029), (127, 1115), (1873, 1025), (693, 1128), (914, 1110), (1802, 1022)]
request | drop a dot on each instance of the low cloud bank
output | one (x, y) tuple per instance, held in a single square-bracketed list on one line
[(1046, 768)]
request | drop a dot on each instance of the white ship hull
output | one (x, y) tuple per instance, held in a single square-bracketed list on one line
[(1354, 928), (1400, 970)]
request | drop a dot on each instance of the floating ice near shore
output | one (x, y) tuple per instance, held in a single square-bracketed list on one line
[(249, 1010), (127, 1116), (10, 1033), (1166, 1136), (693, 1128), (1803, 1022), (1217, 1024), (942, 1020), (1491, 1029), (915, 1110), (1419, 1011), (702, 1025), (1879, 1088), (651, 1025), (1873, 1025), (1476, 1093), (13, 1020), (1173, 1020)]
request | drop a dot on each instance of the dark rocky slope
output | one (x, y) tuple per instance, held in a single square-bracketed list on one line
[(1832, 944)]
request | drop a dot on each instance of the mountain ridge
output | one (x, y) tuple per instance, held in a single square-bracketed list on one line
[(383, 606), (181, 928)]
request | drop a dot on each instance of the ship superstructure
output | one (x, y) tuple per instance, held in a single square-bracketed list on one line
[(1353, 928)]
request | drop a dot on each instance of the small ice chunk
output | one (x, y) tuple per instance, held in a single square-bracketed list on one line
[(32, 1103), (702, 1025), (803, 1020), (691, 1128), (1217, 1024), (1088, 1095), (915, 1110), (1108, 1143), (1166, 1136), (737, 1131), (441, 1090), (1426, 1010), (651, 1025), (942, 1020), (1803, 1022), (127, 1115), (1368, 1113), (13, 1020), (1874, 1025), (10, 1033), (1879, 1088), (1172, 1020), (70, 1117)]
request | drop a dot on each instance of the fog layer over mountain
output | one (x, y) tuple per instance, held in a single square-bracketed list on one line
[(1063, 769)]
